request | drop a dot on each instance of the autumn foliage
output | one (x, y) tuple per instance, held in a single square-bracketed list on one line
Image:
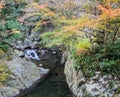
[(90, 38), (1, 5), (75, 27), (63, 27)]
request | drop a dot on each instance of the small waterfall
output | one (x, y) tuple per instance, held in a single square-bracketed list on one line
[(31, 54)]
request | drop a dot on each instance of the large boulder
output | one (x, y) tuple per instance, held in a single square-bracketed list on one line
[(97, 86), (23, 76), (8, 92), (74, 78)]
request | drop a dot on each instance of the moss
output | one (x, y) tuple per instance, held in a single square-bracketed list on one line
[(118, 91), (4, 72), (2, 53)]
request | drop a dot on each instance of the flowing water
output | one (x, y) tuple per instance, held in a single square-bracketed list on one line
[(55, 84)]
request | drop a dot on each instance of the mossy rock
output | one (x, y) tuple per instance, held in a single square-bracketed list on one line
[(2, 53), (4, 72)]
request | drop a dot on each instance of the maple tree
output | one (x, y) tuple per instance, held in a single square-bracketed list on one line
[(101, 26)]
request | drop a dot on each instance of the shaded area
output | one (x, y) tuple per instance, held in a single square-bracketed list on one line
[(54, 86)]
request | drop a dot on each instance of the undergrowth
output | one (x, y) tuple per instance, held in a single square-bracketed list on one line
[(10, 28)]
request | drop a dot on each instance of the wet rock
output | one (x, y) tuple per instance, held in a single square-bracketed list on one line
[(40, 65), (42, 70)]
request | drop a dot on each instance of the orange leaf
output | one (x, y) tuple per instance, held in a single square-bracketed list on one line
[(1, 5)]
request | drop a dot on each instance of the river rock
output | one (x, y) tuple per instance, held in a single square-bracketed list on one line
[(24, 75), (97, 86), (74, 78), (18, 53), (8, 92)]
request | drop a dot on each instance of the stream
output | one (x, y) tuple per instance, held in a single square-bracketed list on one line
[(54, 85)]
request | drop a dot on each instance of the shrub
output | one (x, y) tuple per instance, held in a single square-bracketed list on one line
[(10, 31), (11, 11), (82, 46), (10, 28), (72, 34)]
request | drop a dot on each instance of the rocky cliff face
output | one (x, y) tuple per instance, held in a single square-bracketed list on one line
[(24, 75), (97, 86)]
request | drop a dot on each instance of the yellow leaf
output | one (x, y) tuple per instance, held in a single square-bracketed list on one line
[(2, 52), (14, 31)]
